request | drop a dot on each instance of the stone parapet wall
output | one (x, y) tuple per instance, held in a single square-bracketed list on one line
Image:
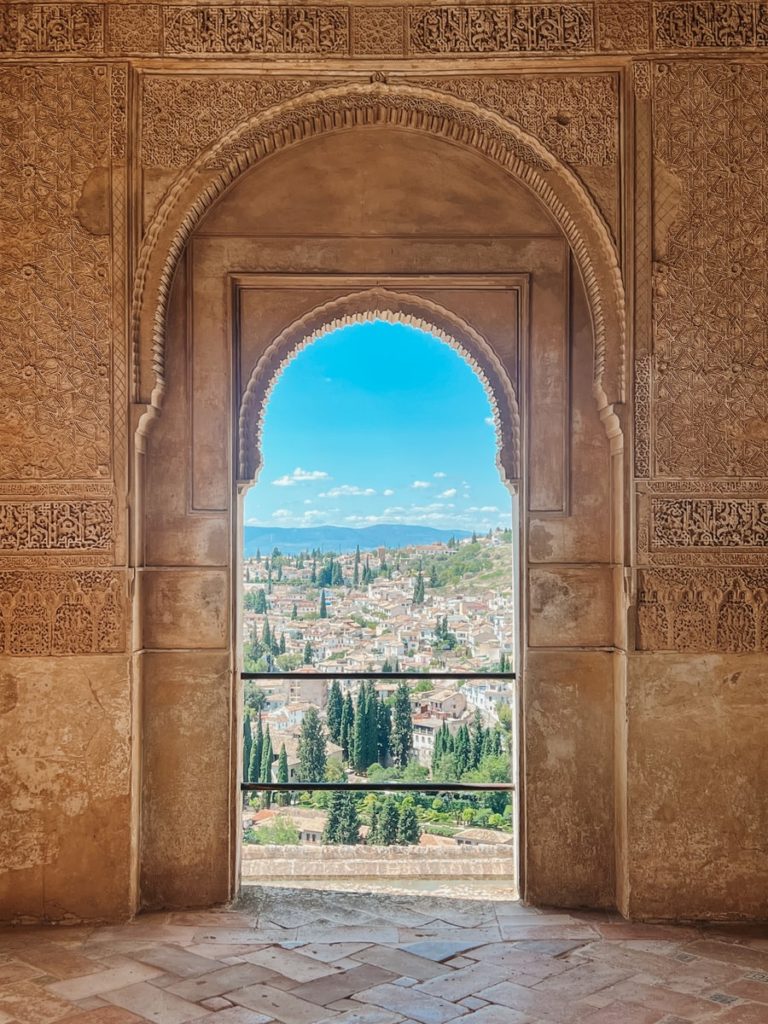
[(305, 862)]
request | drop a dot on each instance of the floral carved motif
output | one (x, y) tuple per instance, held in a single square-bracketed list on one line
[(721, 610), (575, 116), (133, 28), (52, 28), (710, 387), (56, 526), (708, 523), (182, 115), (59, 612), (55, 357), (267, 29), (507, 28), (624, 27), (710, 24), (378, 30)]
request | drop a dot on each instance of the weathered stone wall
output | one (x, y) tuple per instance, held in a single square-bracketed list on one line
[(644, 780)]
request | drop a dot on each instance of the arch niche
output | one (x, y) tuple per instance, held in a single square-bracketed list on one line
[(405, 203)]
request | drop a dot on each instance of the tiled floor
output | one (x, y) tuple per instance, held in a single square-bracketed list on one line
[(300, 956)]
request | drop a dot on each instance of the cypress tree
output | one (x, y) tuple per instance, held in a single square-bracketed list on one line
[(356, 573), (462, 750), (333, 822), (313, 574), (334, 711), (308, 653), (389, 819), (408, 831), (267, 756), (294, 612), (266, 636), (282, 776), (418, 589), (346, 733), (247, 744), (343, 824), (281, 646), (254, 767), (260, 606), (402, 726), (359, 733), (476, 737), (323, 607), (312, 753), (373, 831), (383, 732), (433, 580)]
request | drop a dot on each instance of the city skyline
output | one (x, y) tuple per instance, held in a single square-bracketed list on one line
[(375, 436)]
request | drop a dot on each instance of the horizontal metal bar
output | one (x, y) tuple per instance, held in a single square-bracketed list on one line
[(372, 787), (421, 676)]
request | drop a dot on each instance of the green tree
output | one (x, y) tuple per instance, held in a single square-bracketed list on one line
[(402, 726), (361, 736), (312, 751), (309, 653), (255, 698), (356, 573), (283, 799), (267, 757), (323, 606), (343, 824), (261, 603), (373, 830), (254, 766), (389, 819), (383, 731), (418, 589), (462, 750), (281, 645), (408, 831), (266, 636), (347, 730), (334, 711), (247, 743), (294, 612), (433, 580), (476, 739), (279, 832)]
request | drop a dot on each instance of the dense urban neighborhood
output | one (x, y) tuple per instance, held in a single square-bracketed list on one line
[(440, 607)]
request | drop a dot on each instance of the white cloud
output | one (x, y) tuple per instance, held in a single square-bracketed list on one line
[(420, 484), (282, 513), (388, 492), (483, 508), (450, 493), (347, 489), (300, 476), (439, 476)]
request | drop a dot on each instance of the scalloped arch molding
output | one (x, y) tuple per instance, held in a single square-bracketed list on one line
[(395, 307), (343, 108)]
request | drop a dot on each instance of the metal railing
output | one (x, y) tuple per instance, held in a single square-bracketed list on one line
[(379, 787)]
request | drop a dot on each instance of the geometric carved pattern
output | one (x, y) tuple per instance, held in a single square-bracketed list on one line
[(709, 523), (702, 610), (711, 282), (55, 361), (173, 130), (56, 526), (576, 116), (508, 28), (711, 24), (378, 30), (133, 28), (77, 612), (273, 29)]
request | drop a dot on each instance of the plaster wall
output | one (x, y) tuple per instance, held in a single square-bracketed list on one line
[(647, 622)]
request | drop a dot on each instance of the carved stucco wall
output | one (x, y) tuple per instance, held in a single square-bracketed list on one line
[(663, 116)]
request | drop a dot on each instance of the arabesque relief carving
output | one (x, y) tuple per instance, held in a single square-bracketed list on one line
[(503, 28), (174, 131), (56, 526), (624, 27), (575, 116), (709, 523), (52, 28), (378, 31), (702, 610), (55, 359), (60, 612), (268, 29), (710, 24), (710, 387)]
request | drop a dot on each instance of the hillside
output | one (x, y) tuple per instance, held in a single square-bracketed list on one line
[(342, 539)]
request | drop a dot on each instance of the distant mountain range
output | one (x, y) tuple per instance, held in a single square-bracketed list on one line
[(292, 540)]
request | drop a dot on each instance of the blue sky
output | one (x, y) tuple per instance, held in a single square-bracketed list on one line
[(379, 423)]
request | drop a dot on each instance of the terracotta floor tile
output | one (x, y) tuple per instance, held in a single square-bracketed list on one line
[(419, 1006), (623, 1013), (282, 1006), (156, 1004), (745, 988), (744, 1014), (27, 1003), (729, 952)]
